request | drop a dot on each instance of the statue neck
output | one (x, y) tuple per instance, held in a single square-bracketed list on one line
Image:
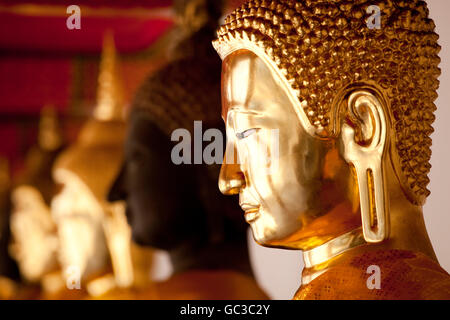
[(407, 225), (407, 232), (318, 259)]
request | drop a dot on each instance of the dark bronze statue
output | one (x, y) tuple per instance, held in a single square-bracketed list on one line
[(179, 208)]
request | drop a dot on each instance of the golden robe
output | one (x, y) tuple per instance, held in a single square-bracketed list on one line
[(404, 275)]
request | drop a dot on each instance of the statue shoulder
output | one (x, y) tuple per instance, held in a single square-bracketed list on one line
[(380, 275)]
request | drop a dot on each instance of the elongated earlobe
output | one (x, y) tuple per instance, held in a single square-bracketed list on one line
[(364, 137)]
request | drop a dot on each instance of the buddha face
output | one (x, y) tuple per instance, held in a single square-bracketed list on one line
[(162, 207), (35, 242), (283, 204), (79, 218)]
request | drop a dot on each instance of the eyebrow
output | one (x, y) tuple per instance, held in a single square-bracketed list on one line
[(239, 109), (243, 110)]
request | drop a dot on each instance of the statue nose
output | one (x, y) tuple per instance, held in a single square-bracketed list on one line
[(231, 179)]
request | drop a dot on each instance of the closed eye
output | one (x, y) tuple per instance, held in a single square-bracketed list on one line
[(246, 133)]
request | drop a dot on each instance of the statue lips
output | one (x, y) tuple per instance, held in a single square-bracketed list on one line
[(251, 212)]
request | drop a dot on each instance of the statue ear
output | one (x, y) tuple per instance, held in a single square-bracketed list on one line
[(364, 138)]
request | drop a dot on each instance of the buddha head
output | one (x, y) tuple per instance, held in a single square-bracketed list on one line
[(352, 106), (85, 171), (177, 207), (34, 239)]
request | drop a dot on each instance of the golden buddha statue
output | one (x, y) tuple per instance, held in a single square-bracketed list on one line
[(177, 208), (34, 242), (95, 241), (9, 276), (342, 113)]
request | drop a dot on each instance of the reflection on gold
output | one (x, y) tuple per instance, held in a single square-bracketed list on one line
[(350, 122)]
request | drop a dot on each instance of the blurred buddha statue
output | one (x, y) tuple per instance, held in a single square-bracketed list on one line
[(329, 114), (131, 263), (9, 274), (34, 242), (95, 241), (178, 208)]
